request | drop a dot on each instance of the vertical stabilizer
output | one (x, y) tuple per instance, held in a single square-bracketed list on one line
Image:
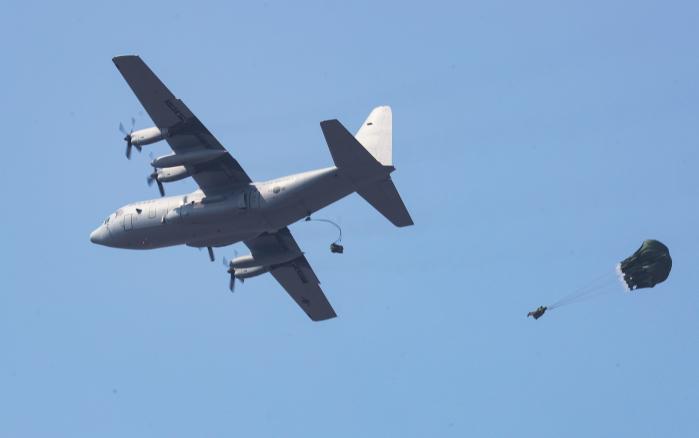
[(376, 135)]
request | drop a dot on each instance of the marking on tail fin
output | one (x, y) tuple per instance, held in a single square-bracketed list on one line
[(376, 135)]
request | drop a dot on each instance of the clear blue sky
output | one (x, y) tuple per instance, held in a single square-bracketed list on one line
[(537, 143)]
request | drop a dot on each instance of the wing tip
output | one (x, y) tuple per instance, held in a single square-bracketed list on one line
[(323, 318), (406, 223), (405, 220), (120, 58)]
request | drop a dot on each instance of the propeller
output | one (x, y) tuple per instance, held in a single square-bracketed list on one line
[(127, 137), (231, 271), (153, 177)]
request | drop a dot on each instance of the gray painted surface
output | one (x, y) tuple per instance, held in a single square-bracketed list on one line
[(230, 208)]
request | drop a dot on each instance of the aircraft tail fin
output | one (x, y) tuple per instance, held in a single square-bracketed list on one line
[(376, 134), (366, 161)]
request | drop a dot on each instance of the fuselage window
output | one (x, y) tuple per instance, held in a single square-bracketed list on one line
[(128, 222)]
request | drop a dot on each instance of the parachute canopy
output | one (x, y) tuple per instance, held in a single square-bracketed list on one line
[(647, 267)]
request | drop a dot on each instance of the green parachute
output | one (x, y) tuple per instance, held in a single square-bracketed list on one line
[(648, 266)]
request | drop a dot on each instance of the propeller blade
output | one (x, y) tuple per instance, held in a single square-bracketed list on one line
[(151, 178), (231, 270), (211, 253), (161, 189), (127, 137)]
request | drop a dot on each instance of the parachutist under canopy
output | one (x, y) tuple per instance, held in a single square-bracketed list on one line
[(648, 266), (537, 313)]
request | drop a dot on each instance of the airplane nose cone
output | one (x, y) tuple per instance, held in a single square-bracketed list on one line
[(94, 236), (99, 236)]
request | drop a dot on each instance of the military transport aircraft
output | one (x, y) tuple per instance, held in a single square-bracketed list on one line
[(229, 207)]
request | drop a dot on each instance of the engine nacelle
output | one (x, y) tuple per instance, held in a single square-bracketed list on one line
[(146, 136), (196, 157), (253, 271), (171, 174), (248, 261)]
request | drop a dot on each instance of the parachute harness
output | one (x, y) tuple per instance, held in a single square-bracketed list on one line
[(335, 247)]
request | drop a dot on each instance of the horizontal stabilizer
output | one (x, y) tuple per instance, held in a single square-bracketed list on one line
[(384, 197)]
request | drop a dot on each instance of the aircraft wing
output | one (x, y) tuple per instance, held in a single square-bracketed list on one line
[(185, 132), (296, 276)]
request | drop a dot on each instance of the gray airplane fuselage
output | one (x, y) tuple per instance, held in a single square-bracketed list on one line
[(229, 207), (197, 220)]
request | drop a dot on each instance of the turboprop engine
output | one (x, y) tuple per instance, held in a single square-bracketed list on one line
[(168, 174), (254, 271), (242, 273), (195, 157), (248, 266), (141, 137), (146, 136), (249, 261)]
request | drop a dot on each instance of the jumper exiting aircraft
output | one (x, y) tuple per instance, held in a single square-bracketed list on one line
[(229, 207)]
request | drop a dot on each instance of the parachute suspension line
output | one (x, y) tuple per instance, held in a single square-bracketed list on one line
[(595, 287), (592, 285), (620, 276), (582, 296), (604, 290), (603, 278), (335, 247)]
